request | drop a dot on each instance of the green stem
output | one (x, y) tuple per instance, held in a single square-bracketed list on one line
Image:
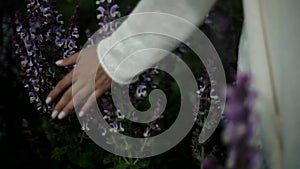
[(202, 155), (131, 162), (127, 162), (145, 141), (135, 161), (202, 145)]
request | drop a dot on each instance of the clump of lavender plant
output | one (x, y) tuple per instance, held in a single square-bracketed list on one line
[(108, 12), (203, 97), (40, 41), (211, 153), (239, 133), (107, 15)]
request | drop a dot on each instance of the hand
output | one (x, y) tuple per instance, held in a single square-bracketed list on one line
[(77, 84)]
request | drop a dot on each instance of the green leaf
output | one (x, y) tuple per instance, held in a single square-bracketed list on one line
[(108, 159), (122, 165), (143, 164)]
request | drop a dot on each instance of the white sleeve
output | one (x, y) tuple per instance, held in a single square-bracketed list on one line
[(114, 49)]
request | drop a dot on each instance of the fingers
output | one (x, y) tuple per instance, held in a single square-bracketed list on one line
[(60, 87), (66, 104), (90, 101), (68, 61), (102, 86), (82, 87), (66, 110), (59, 107), (73, 58), (71, 98)]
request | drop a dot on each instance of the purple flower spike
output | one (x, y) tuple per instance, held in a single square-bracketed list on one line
[(39, 42), (241, 124)]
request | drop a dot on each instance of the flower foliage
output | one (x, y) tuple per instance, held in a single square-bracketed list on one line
[(40, 41), (107, 14), (240, 130)]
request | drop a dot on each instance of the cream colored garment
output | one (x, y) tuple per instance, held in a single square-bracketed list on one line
[(269, 50)]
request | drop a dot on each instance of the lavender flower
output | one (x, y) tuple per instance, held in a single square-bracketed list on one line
[(211, 162), (108, 12), (40, 41), (208, 99), (240, 133)]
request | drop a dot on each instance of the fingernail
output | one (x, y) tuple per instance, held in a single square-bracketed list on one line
[(61, 115), (81, 113), (48, 100), (59, 62), (54, 114)]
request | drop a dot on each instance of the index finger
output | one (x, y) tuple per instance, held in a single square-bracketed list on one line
[(68, 61), (60, 87)]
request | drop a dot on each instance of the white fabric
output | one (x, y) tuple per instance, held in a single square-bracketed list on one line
[(192, 10), (269, 50), (253, 57)]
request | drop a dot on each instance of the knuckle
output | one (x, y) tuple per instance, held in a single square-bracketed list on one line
[(67, 110), (60, 85), (69, 107), (79, 97), (86, 107), (51, 94), (58, 106), (62, 102), (68, 95)]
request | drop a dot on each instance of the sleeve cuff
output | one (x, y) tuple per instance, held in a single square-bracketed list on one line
[(105, 66)]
